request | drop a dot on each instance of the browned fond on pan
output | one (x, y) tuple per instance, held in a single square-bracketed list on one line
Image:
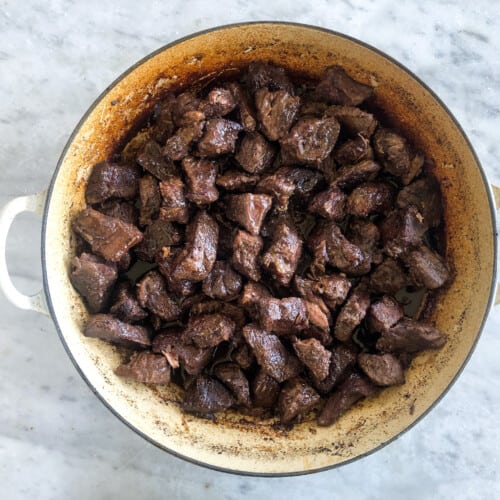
[(240, 444)]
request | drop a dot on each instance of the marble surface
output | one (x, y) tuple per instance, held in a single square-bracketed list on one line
[(56, 439)]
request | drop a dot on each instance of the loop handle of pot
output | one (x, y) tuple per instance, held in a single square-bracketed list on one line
[(496, 195), (32, 203)]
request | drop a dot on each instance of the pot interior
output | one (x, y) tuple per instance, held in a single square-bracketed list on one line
[(242, 444)]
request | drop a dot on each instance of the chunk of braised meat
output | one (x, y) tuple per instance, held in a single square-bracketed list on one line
[(337, 87), (234, 379), (255, 154), (166, 260), (334, 289), (409, 335), (311, 108), (271, 355), (206, 396), (249, 210), (179, 145), (163, 122), (246, 113), (146, 367), (295, 400), (111, 180), (353, 120), (152, 160), (243, 356), (219, 137), (232, 311), (402, 229), (185, 104), (197, 258), (106, 327), (384, 313), (157, 235), (353, 151), (282, 257), (200, 179), (174, 207), (126, 306), (371, 198), (246, 251), (108, 237), (330, 204), (265, 390), (349, 176), (352, 313), (307, 182), (223, 282), (219, 102), (279, 184), (209, 330), (310, 140), (315, 356), (382, 369), (354, 388), (236, 180), (388, 277), (152, 294), (122, 210), (93, 278), (366, 235), (427, 268), (265, 75), (252, 294), (276, 112), (124, 263)]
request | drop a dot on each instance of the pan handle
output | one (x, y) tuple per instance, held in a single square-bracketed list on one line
[(33, 203), (496, 195)]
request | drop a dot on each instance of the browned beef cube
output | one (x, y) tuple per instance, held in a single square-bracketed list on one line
[(178, 146), (279, 184), (223, 282), (152, 295), (388, 277), (234, 379), (295, 400), (150, 199), (185, 103), (354, 388), (349, 176), (251, 296), (209, 330), (409, 335), (236, 180), (246, 250), (243, 356), (124, 263), (122, 210), (110, 180), (330, 204), (366, 235), (219, 102), (246, 113), (334, 289), (276, 112), (249, 210), (353, 120), (352, 313), (310, 140), (265, 390), (151, 159), (354, 151), (282, 256), (109, 237), (163, 120), (206, 395), (219, 138), (371, 198), (272, 356), (307, 182), (427, 268), (337, 87), (197, 258), (264, 75), (314, 355), (255, 154), (382, 369), (232, 311), (200, 178), (157, 235), (166, 259), (125, 305), (384, 313), (106, 327), (283, 316), (94, 279), (146, 367), (175, 207)]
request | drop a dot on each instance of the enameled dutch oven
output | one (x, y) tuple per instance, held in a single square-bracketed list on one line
[(247, 446)]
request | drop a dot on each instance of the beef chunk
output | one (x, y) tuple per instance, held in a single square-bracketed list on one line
[(152, 295), (219, 138), (175, 207), (427, 268), (200, 175), (152, 160), (246, 250), (353, 120), (223, 282), (243, 356), (349, 176), (337, 87), (388, 277), (150, 199), (271, 354), (166, 260), (185, 104), (282, 257), (122, 210), (105, 327), (219, 102), (382, 369), (310, 140), (312, 353), (125, 305), (330, 204), (424, 194), (178, 146), (246, 113), (354, 388), (265, 390), (352, 313), (264, 75), (146, 367), (296, 399), (206, 395), (109, 237), (209, 330), (231, 376), (409, 335), (255, 153), (371, 198), (334, 289), (235, 180), (249, 210), (276, 112), (197, 258), (366, 235), (384, 314), (402, 229), (110, 180), (233, 312), (252, 295), (354, 151), (93, 278), (307, 182), (279, 184), (157, 235), (163, 120)]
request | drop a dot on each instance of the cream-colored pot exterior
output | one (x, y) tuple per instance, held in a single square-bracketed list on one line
[(239, 444)]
